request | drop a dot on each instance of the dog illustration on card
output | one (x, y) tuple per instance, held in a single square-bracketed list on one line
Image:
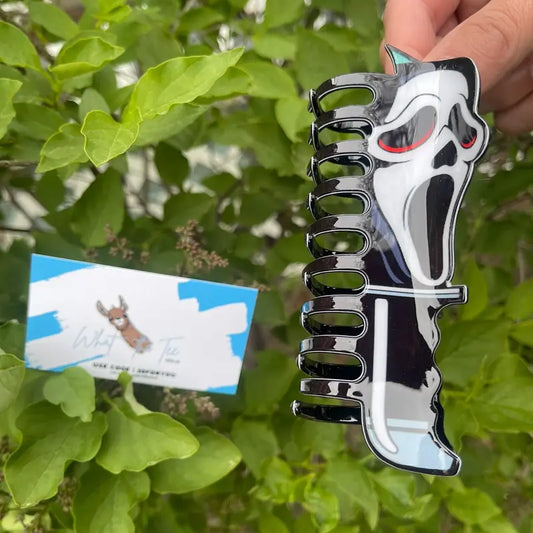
[(118, 317)]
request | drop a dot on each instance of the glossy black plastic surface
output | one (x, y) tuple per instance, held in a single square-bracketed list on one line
[(373, 344)]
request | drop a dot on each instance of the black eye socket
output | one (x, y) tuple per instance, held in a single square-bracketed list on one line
[(466, 134), (410, 135)]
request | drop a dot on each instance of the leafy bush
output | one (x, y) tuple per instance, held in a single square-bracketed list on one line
[(127, 140)]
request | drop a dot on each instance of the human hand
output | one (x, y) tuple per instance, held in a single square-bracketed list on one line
[(496, 34)]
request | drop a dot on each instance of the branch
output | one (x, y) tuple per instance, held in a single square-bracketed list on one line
[(15, 230), (14, 163), (237, 185), (19, 206)]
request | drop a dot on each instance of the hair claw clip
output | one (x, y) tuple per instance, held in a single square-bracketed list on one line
[(372, 346)]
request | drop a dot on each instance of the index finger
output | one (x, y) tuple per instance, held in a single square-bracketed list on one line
[(412, 25)]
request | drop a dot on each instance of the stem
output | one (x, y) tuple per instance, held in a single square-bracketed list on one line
[(12, 163), (17, 204), (227, 194), (15, 230), (105, 397)]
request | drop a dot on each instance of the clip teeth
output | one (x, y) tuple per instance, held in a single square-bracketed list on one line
[(378, 334), (338, 414)]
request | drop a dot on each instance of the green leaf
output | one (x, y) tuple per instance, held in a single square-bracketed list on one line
[(268, 523), (84, 54), (126, 382), (155, 47), (178, 81), (134, 442), (104, 501), (312, 438), (465, 345), (268, 80), (275, 45), (257, 207), (63, 148), (270, 309), (316, 60), (105, 138), (241, 131), (105, 83), (365, 19), (8, 88), (53, 19), (256, 441), (50, 190), (216, 457), (396, 490), (167, 518), (162, 127), (278, 483), (171, 164), (507, 366), (11, 376), (112, 10), (16, 49), (233, 83), (91, 100), (506, 405), (183, 207), (523, 332), (198, 19), (323, 506), (275, 369), (505, 184), (478, 296), (348, 479), (12, 337), (459, 420), (341, 39), (221, 184), (36, 121), (50, 441), (292, 116), (498, 524), (53, 244), (280, 12), (520, 302), (472, 506), (73, 390), (101, 204)]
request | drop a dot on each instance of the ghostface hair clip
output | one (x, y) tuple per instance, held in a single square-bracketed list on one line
[(409, 163)]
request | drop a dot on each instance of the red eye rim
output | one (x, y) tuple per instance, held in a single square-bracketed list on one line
[(403, 149), (470, 143)]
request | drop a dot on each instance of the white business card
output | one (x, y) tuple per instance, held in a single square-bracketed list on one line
[(163, 330)]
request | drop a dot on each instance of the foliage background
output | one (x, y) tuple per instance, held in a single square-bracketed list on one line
[(118, 126)]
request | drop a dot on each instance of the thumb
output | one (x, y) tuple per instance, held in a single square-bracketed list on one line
[(497, 38)]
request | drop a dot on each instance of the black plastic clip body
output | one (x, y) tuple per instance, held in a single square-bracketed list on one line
[(410, 155)]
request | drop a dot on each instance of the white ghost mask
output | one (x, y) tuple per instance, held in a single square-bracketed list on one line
[(425, 151)]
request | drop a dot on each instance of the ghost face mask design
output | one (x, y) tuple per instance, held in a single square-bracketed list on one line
[(372, 345), (425, 149)]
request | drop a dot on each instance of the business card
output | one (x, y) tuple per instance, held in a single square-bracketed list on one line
[(163, 330)]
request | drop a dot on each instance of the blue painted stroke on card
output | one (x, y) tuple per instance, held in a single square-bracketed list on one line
[(44, 325), (229, 389), (46, 267), (210, 295), (75, 363)]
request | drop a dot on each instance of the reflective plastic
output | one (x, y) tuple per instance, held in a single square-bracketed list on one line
[(373, 345)]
